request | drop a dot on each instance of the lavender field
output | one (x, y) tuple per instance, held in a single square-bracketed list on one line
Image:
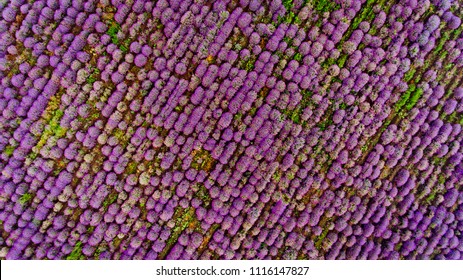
[(225, 129)]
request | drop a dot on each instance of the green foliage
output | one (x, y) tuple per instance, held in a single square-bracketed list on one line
[(445, 37), (253, 111), (438, 161), (124, 48), (365, 148), (97, 253), (328, 62), (94, 76), (237, 47), (323, 6), (25, 198), (306, 96), (290, 175), (55, 128), (449, 66), (249, 64), (295, 116), (286, 198), (110, 199), (409, 99), (336, 80), (202, 160), (183, 219), (90, 229), (325, 124), (431, 197), (409, 75), (76, 253), (238, 117), (298, 57), (441, 179), (132, 167), (385, 125), (276, 176), (288, 4), (119, 134), (322, 237), (9, 150), (416, 95), (112, 32), (289, 17), (288, 40), (203, 194), (342, 60), (404, 98)]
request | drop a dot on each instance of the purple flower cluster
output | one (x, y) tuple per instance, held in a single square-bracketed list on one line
[(231, 129)]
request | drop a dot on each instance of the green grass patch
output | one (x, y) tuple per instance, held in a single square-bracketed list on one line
[(120, 135), (409, 99), (415, 96), (430, 198), (409, 75), (253, 111), (306, 101), (289, 17), (438, 161), (323, 6), (449, 66), (325, 124), (249, 64), (76, 253), (53, 129), (132, 167), (288, 41), (110, 199), (328, 62), (288, 4), (321, 237), (90, 229), (9, 150), (112, 31), (445, 37), (93, 76), (295, 116), (125, 45), (183, 219), (342, 60), (203, 194), (385, 125), (404, 98), (25, 198)]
